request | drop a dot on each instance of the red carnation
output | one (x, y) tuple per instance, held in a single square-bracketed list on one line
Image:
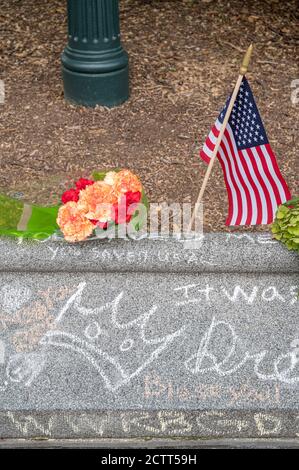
[(133, 197), (70, 195), (121, 214), (82, 183)]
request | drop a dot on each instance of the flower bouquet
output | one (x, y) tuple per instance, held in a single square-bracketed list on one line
[(103, 206)]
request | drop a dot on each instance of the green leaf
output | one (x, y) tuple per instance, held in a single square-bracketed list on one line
[(139, 218), (294, 230), (282, 211), (18, 219), (100, 175), (286, 225), (292, 202)]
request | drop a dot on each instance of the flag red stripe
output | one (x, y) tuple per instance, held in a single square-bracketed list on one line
[(254, 187), (229, 193), (278, 173), (215, 131), (237, 189), (259, 190), (269, 176), (210, 144), (204, 156), (269, 214)]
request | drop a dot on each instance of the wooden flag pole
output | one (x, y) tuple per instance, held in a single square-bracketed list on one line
[(243, 70)]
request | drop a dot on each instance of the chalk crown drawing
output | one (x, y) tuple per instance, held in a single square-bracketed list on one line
[(102, 329)]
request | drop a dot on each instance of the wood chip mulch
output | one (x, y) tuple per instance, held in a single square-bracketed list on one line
[(184, 59)]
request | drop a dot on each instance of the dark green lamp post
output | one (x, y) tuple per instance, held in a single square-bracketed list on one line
[(94, 64)]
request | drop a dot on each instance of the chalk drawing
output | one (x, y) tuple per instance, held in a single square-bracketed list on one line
[(34, 316), (151, 423), (207, 424), (27, 424), (93, 425), (24, 368), (216, 423), (228, 365), (94, 330), (267, 425), (105, 363), (168, 422), (57, 329), (235, 424)]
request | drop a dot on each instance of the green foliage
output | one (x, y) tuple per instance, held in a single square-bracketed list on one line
[(100, 175), (139, 218), (286, 224), (10, 212), (36, 222), (41, 221)]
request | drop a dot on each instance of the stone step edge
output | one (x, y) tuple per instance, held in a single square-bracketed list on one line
[(218, 253), (146, 423)]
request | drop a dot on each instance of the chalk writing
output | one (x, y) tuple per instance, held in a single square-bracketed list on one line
[(158, 387), (199, 293), (109, 255), (267, 425), (150, 423), (285, 367), (119, 351), (28, 423)]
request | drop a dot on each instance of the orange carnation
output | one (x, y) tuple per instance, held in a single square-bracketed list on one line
[(74, 226), (126, 181), (96, 201), (110, 177)]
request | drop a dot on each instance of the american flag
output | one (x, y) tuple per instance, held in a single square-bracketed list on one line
[(253, 180)]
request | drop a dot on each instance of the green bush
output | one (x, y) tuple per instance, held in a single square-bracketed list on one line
[(286, 224)]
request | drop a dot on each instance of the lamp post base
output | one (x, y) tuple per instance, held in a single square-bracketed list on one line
[(94, 65), (90, 89)]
